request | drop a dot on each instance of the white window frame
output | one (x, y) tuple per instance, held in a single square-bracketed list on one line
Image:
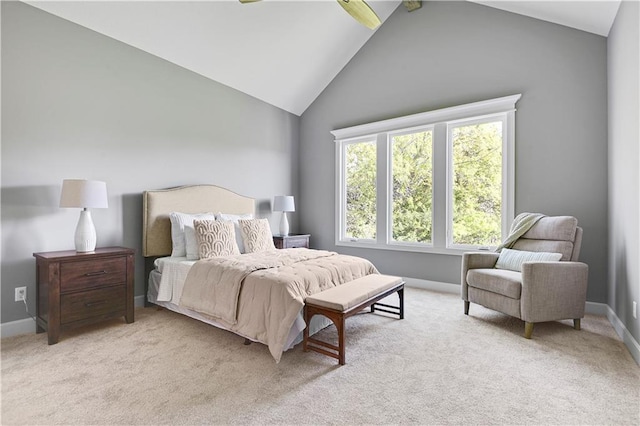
[(440, 120), (507, 178), (389, 205), (341, 202)]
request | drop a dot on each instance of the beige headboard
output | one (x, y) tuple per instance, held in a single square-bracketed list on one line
[(157, 204)]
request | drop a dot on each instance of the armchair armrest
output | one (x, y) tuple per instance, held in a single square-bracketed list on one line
[(553, 290), (475, 260)]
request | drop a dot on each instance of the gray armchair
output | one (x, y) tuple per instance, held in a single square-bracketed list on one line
[(542, 291)]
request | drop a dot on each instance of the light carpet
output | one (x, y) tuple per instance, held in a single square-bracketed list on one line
[(437, 366)]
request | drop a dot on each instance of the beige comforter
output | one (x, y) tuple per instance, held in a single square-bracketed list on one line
[(259, 295)]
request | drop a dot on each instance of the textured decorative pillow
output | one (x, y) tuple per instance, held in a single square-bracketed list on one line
[(235, 218), (178, 223), (215, 239), (256, 234), (513, 259)]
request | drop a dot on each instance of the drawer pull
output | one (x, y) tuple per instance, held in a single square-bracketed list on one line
[(93, 274), (92, 304)]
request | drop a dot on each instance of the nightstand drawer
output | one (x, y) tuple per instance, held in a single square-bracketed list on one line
[(291, 241), (92, 273), (93, 303), (297, 242)]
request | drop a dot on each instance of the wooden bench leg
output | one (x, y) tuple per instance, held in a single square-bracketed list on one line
[(312, 344), (390, 309), (341, 342), (305, 332)]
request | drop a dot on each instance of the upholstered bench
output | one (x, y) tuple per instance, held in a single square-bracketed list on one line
[(340, 302)]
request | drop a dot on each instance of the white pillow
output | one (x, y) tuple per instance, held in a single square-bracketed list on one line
[(513, 259), (235, 218), (180, 221), (256, 234)]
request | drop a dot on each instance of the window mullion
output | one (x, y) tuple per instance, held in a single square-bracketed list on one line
[(340, 193), (440, 191), (508, 172), (384, 198)]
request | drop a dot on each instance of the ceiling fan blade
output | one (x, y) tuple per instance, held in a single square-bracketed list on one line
[(248, 1), (361, 12)]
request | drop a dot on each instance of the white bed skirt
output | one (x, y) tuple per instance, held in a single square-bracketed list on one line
[(318, 322)]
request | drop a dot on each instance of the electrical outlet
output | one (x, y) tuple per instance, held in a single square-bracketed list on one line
[(21, 294), (635, 310)]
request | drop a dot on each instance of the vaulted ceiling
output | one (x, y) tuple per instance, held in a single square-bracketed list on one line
[(282, 52)]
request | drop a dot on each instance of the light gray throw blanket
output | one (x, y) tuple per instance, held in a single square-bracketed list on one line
[(520, 226)]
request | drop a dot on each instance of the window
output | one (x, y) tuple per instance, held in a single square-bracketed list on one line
[(476, 183), (438, 181), (411, 186), (360, 190)]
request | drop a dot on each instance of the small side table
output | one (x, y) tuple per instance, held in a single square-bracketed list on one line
[(291, 241), (74, 289)]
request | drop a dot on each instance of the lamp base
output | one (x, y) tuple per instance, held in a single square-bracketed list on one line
[(284, 224), (85, 237)]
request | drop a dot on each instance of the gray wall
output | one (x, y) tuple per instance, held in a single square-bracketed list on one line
[(624, 178), (76, 104), (451, 53)]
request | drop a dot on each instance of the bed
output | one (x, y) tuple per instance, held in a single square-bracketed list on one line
[(259, 294)]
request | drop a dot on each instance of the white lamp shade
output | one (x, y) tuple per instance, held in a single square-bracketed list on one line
[(83, 193), (284, 203)]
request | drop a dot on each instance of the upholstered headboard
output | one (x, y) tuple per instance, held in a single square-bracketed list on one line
[(157, 204)]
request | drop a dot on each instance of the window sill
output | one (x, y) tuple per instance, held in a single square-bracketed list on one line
[(409, 248)]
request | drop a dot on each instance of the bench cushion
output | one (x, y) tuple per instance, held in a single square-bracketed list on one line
[(352, 293)]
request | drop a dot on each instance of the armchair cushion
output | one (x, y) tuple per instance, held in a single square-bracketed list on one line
[(513, 259), (554, 234), (503, 282), (557, 228)]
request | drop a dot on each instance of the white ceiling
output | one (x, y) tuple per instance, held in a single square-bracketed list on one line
[(588, 15), (282, 52)]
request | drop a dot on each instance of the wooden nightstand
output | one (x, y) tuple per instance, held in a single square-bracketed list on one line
[(74, 289), (291, 241)]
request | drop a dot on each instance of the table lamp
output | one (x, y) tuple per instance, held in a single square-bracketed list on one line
[(284, 204), (84, 194)]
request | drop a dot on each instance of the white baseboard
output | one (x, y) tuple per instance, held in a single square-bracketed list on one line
[(14, 328), (432, 285), (594, 308), (28, 325), (627, 338), (138, 301)]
